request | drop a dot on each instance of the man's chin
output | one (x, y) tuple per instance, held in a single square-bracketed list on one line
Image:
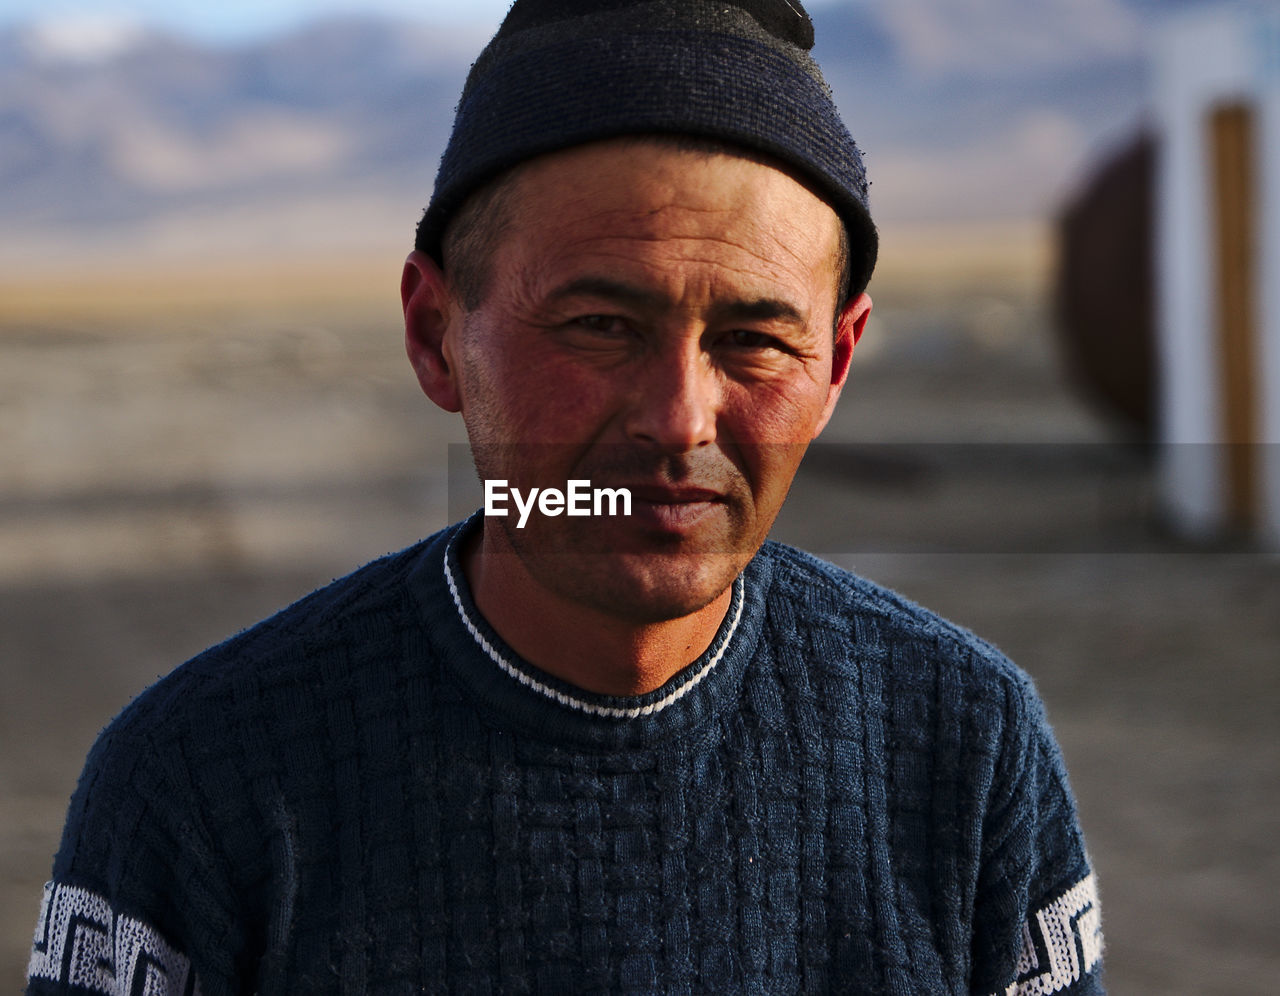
[(642, 589)]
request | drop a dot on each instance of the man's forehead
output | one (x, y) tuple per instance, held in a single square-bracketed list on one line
[(651, 188), (653, 230), (637, 170)]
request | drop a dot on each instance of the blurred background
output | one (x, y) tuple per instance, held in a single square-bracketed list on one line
[(205, 411)]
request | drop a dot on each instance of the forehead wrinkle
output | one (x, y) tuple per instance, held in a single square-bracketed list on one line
[(788, 242), (770, 260), (678, 228)]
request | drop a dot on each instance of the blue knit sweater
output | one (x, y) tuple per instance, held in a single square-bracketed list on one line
[(371, 793)]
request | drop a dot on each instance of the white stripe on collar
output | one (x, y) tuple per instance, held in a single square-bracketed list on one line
[(608, 712)]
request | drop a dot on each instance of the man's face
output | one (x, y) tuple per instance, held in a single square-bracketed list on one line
[(659, 320)]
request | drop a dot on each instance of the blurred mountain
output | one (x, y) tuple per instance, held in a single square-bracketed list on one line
[(165, 123), (985, 114), (983, 109)]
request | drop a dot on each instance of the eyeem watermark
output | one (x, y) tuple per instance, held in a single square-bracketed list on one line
[(579, 498)]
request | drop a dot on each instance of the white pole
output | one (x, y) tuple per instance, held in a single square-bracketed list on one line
[(1203, 59)]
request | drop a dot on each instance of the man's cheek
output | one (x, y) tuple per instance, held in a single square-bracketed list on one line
[(776, 415)]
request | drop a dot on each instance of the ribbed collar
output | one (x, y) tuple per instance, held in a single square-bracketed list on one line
[(522, 696)]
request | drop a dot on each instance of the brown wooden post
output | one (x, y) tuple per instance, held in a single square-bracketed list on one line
[(1235, 206)]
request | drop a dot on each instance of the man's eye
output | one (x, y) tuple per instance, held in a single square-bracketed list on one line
[(748, 339), (608, 324)]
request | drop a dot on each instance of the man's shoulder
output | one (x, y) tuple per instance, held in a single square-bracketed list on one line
[(368, 596), (326, 631), (875, 620), (827, 589)]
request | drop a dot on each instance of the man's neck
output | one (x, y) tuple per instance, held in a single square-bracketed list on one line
[(577, 643)]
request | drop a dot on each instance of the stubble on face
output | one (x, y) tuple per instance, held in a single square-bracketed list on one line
[(540, 412), (641, 575)]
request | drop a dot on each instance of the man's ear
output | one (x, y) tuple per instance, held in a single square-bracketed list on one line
[(850, 324), (432, 319)]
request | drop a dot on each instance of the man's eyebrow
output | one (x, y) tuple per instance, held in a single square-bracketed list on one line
[(755, 309), (761, 309), (604, 287)]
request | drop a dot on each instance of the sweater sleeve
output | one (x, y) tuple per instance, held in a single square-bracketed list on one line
[(138, 902), (1037, 920)]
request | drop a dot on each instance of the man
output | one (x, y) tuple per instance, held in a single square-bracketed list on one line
[(600, 752)]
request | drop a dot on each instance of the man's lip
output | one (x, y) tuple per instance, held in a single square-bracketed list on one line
[(659, 494), (674, 509)]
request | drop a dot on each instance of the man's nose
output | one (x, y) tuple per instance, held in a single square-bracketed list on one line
[(675, 402)]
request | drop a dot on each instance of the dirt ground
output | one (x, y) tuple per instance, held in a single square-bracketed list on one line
[(167, 481)]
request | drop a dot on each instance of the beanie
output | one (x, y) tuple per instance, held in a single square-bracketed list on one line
[(561, 73)]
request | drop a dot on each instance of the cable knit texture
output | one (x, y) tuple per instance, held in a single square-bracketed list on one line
[(353, 797)]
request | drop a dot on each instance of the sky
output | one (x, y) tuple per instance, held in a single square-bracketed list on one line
[(933, 28), (1035, 88), (236, 20)]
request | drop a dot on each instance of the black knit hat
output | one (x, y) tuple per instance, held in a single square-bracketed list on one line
[(561, 73)]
